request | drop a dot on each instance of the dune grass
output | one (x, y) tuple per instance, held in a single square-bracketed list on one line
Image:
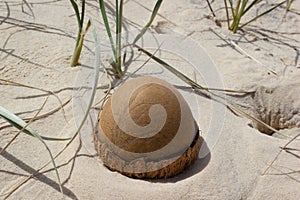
[(236, 11), (289, 5), (241, 8), (81, 33), (208, 92), (20, 124), (24, 127), (116, 45)]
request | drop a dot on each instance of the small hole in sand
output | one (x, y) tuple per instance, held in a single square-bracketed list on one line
[(278, 107)]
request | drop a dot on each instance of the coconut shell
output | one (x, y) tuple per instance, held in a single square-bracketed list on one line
[(147, 126), (114, 162)]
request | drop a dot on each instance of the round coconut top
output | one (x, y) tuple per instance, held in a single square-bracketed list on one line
[(147, 117)]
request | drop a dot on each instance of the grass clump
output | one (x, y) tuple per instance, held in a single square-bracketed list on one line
[(116, 45), (242, 7)]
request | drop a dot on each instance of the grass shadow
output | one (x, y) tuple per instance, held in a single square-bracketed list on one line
[(40, 177)]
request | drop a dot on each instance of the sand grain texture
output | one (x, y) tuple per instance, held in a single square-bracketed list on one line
[(36, 50)]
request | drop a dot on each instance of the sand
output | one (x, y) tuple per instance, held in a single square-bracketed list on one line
[(36, 44)]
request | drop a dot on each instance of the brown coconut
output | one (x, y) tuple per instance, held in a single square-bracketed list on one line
[(147, 130)]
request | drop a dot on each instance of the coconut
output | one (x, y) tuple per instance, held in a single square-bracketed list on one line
[(146, 130)]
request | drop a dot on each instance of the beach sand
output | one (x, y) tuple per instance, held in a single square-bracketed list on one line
[(36, 45)]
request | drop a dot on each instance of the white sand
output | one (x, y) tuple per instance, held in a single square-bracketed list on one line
[(36, 51)]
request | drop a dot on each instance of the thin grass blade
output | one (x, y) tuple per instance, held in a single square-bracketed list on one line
[(233, 14), (153, 15), (251, 5), (107, 27), (76, 10), (97, 64), (119, 16), (262, 14), (82, 13), (239, 16), (79, 41), (289, 5), (20, 124), (231, 8), (78, 49), (200, 88), (210, 8), (171, 69), (91, 100), (227, 14), (20, 131), (28, 6), (237, 7)]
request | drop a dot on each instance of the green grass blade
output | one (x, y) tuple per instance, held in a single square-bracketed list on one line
[(251, 5), (91, 100), (107, 27), (94, 87), (231, 8), (239, 16), (117, 24), (78, 49), (119, 15), (97, 64), (200, 88), (154, 13), (76, 10), (262, 14), (227, 14), (171, 69), (82, 14), (289, 5), (183, 77), (52, 159), (237, 7), (80, 21), (20, 124), (233, 14)]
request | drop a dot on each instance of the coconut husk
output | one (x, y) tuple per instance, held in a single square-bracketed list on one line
[(146, 130), (114, 162)]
